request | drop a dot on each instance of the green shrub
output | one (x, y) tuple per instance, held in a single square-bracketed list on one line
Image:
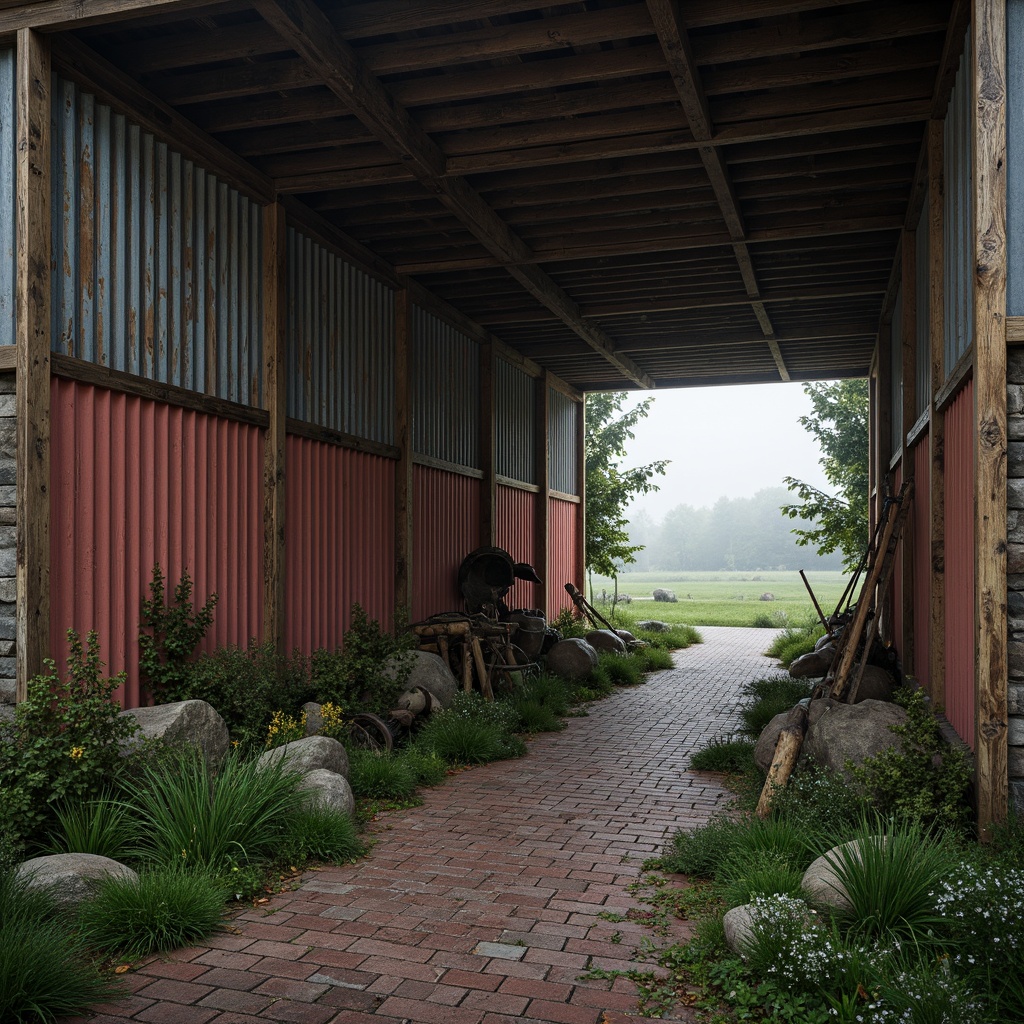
[(777, 619), (317, 833), (426, 766), (45, 970), (794, 641), (102, 826), (820, 804), (536, 717), (162, 909), (744, 875), (380, 776), (732, 756), (570, 624), (464, 740), (778, 919), (702, 850), (771, 697), (1007, 845), (551, 691), (622, 669), (654, 659)]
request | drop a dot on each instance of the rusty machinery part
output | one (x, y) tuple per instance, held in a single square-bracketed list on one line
[(486, 575), (369, 732)]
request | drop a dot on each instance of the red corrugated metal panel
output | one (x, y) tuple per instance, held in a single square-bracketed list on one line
[(135, 482), (339, 541), (959, 464), (897, 575), (516, 533), (561, 553), (922, 559), (446, 516)]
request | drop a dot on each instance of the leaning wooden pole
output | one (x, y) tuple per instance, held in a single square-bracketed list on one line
[(787, 753)]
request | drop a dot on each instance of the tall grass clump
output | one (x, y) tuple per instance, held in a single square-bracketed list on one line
[(317, 833), (380, 776), (102, 826), (734, 757), (472, 731), (794, 641), (771, 697)]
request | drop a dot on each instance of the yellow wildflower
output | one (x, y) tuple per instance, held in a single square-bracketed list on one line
[(76, 753)]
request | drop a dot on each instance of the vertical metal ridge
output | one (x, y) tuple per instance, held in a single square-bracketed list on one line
[(563, 450), (516, 517), (515, 404), (896, 373), (561, 554), (922, 358), (922, 560)]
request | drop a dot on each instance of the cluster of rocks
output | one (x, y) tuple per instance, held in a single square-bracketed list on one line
[(576, 658)]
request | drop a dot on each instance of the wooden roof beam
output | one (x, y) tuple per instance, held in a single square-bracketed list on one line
[(308, 31)]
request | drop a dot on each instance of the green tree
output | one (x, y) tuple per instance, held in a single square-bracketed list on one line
[(839, 422), (610, 486)]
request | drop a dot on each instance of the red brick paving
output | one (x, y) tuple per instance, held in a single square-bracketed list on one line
[(525, 853)]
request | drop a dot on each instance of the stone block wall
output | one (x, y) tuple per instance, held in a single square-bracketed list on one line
[(8, 538), (1015, 569)]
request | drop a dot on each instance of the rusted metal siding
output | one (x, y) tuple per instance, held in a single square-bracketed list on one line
[(922, 560), (135, 483), (446, 511), (339, 541), (1015, 158), (341, 344), (515, 409), (922, 358), (7, 198), (896, 373), (563, 442), (959, 550), (516, 520), (897, 574), (157, 262), (562, 527), (446, 389), (958, 231)]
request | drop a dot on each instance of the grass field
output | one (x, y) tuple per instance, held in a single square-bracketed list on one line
[(726, 598)]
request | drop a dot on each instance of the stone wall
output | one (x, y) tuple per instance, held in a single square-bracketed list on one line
[(1015, 567), (8, 539)]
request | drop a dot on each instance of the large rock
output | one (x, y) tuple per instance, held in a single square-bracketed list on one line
[(812, 665), (329, 790), (430, 672), (654, 626), (738, 924), (665, 595), (71, 878), (821, 880), (876, 684), (572, 659), (852, 732), (306, 755), (764, 749), (606, 640), (187, 722)]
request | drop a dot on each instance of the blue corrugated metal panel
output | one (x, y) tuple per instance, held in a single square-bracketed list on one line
[(341, 343), (896, 365), (157, 261), (922, 377), (958, 230), (563, 442), (515, 409), (446, 389), (1015, 157), (7, 128)]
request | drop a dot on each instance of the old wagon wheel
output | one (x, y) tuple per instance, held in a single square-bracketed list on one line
[(369, 732)]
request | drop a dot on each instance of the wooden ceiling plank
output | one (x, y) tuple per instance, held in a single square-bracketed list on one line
[(55, 14)]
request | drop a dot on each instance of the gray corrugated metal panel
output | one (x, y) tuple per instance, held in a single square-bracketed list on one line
[(896, 371), (958, 231), (1015, 157), (7, 135), (158, 263), (341, 343), (515, 407), (446, 390), (922, 363), (563, 442)]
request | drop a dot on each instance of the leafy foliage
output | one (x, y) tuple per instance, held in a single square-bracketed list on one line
[(102, 826), (839, 422)]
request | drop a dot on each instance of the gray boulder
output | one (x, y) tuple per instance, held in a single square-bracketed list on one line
[(626, 637), (852, 732), (812, 665), (606, 640), (875, 684), (187, 722), (572, 659), (430, 672), (329, 790), (738, 924), (314, 718), (71, 878), (764, 749), (821, 880), (654, 626), (306, 755), (665, 595)]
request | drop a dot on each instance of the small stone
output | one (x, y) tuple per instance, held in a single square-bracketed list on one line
[(71, 878), (8, 690), (500, 950), (8, 627), (314, 718), (738, 924), (328, 790), (606, 640), (9, 589)]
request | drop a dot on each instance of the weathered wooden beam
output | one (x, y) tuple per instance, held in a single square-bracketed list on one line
[(907, 417), (988, 42), (404, 502), (32, 280), (74, 14)]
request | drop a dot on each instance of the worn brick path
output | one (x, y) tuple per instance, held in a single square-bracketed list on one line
[(481, 906)]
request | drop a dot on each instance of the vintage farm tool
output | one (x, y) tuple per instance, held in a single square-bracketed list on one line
[(787, 751), (814, 601), (474, 648), (597, 620)]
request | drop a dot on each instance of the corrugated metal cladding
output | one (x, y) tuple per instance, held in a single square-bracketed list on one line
[(135, 483), (959, 548), (1015, 157), (958, 230), (341, 344), (516, 519), (922, 560), (157, 261), (563, 443), (339, 540), (7, 128), (562, 533), (896, 372), (446, 392), (897, 574), (923, 359), (446, 516), (515, 410)]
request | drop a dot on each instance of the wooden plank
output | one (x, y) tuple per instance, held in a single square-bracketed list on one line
[(275, 401), (988, 40), (325, 435), (74, 14), (9, 357), (404, 496), (1014, 330), (32, 280), (908, 415), (542, 524), (488, 446)]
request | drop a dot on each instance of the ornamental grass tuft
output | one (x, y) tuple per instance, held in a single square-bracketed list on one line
[(721, 755), (380, 775), (317, 833), (103, 826)]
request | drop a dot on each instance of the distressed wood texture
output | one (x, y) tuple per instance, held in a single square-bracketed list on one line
[(908, 415), (404, 466), (32, 184), (988, 31)]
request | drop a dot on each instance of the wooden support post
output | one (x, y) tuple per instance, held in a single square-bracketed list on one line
[(543, 510), (883, 445), (275, 397), (988, 41), (787, 753), (907, 417), (581, 490), (404, 496), (32, 189), (937, 426), (488, 452)]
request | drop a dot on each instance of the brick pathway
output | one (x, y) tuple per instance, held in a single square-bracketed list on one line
[(481, 906)]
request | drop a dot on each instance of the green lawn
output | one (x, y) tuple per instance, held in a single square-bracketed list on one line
[(726, 598)]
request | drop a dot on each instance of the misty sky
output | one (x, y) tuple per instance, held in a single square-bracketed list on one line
[(724, 442)]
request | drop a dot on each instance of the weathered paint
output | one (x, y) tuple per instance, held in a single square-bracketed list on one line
[(562, 526), (922, 357), (958, 243), (921, 540), (339, 541), (446, 388), (135, 483), (563, 442), (959, 552), (1015, 158), (7, 197), (515, 410), (896, 373), (446, 515), (157, 262), (516, 519), (341, 344)]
